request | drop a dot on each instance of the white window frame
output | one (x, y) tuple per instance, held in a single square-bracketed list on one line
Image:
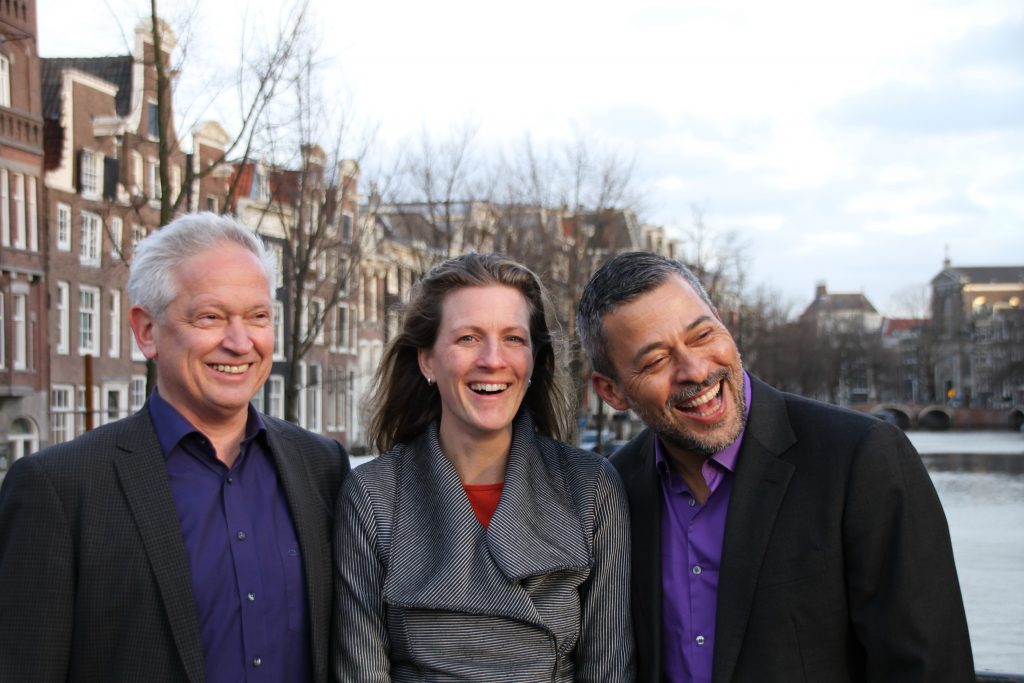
[(90, 173), (62, 413), (33, 214), (63, 227), (316, 309), (315, 397), (18, 203), (136, 393), (5, 81), (5, 209), (341, 327), (111, 412), (114, 349), (19, 333), (257, 399), (138, 177), (89, 322), (275, 396), (3, 334), (116, 236), (90, 236), (63, 318), (153, 190), (278, 331)]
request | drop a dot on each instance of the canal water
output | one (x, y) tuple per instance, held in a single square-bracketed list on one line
[(980, 479)]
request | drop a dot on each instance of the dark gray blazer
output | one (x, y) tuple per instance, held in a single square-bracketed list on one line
[(836, 564), (94, 579), (425, 593)]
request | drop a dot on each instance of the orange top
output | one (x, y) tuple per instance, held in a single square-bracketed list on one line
[(484, 499)]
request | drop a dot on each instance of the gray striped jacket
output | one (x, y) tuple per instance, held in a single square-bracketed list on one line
[(425, 593)]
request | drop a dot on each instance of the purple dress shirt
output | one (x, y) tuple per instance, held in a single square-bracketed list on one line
[(247, 573), (691, 553)]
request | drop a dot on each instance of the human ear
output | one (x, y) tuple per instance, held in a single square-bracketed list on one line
[(143, 326), (608, 390)]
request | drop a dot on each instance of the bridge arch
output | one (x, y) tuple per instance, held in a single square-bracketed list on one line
[(899, 415), (935, 418)]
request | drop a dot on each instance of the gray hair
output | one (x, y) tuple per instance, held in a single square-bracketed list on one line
[(621, 280), (152, 282)]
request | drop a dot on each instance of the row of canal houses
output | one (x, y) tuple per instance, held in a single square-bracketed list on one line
[(80, 185)]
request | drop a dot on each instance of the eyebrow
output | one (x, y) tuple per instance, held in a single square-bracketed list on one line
[(658, 344)]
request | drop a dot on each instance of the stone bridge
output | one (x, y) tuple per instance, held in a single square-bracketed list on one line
[(939, 417)]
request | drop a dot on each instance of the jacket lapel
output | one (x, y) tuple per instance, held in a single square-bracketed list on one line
[(143, 474), (312, 529), (758, 490), (441, 556), (635, 463)]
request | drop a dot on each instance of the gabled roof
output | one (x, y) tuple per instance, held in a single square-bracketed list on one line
[(983, 274), (827, 303), (115, 70), (901, 327)]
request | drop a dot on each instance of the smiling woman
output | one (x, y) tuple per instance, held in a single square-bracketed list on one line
[(478, 547)]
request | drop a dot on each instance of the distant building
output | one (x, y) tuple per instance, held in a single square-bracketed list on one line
[(979, 337), (906, 339), (24, 371), (845, 327)]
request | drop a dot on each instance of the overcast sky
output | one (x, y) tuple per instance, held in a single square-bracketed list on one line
[(850, 143)]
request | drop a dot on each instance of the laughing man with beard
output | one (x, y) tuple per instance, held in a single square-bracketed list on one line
[(775, 538)]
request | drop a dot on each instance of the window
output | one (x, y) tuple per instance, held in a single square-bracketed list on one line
[(63, 227), (89, 173), (316, 319), (341, 327), (152, 121), (116, 236), (88, 321), (5, 210), (211, 203), (114, 350), (137, 354), (89, 243), (346, 228), (33, 215), (137, 393), (343, 274), (175, 182), (5, 81), (138, 234), (279, 257), (115, 402), (152, 180), (138, 181), (63, 318), (62, 417), (276, 396), (278, 330), (20, 332), (18, 204), (321, 264), (314, 397)]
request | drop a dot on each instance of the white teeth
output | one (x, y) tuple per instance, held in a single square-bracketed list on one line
[(488, 387), (701, 400), (231, 369)]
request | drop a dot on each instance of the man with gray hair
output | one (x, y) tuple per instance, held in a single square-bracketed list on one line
[(774, 538), (190, 541)]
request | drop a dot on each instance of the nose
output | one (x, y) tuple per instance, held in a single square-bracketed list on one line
[(690, 367), (236, 337), (491, 354)]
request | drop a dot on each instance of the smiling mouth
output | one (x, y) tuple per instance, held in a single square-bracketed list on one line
[(705, 404), (488, 389), (231, 369)]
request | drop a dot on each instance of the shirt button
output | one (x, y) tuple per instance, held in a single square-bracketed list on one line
[(696, 569), (700, 640), (231, 480), (241, 535), (256, 661), (693, 502), (251, 596)]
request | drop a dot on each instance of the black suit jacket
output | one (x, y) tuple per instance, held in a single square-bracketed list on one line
[(836, 562), (94, 579)]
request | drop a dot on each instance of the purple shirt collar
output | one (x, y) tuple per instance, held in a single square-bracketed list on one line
[(171, 426), (725, 457)]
